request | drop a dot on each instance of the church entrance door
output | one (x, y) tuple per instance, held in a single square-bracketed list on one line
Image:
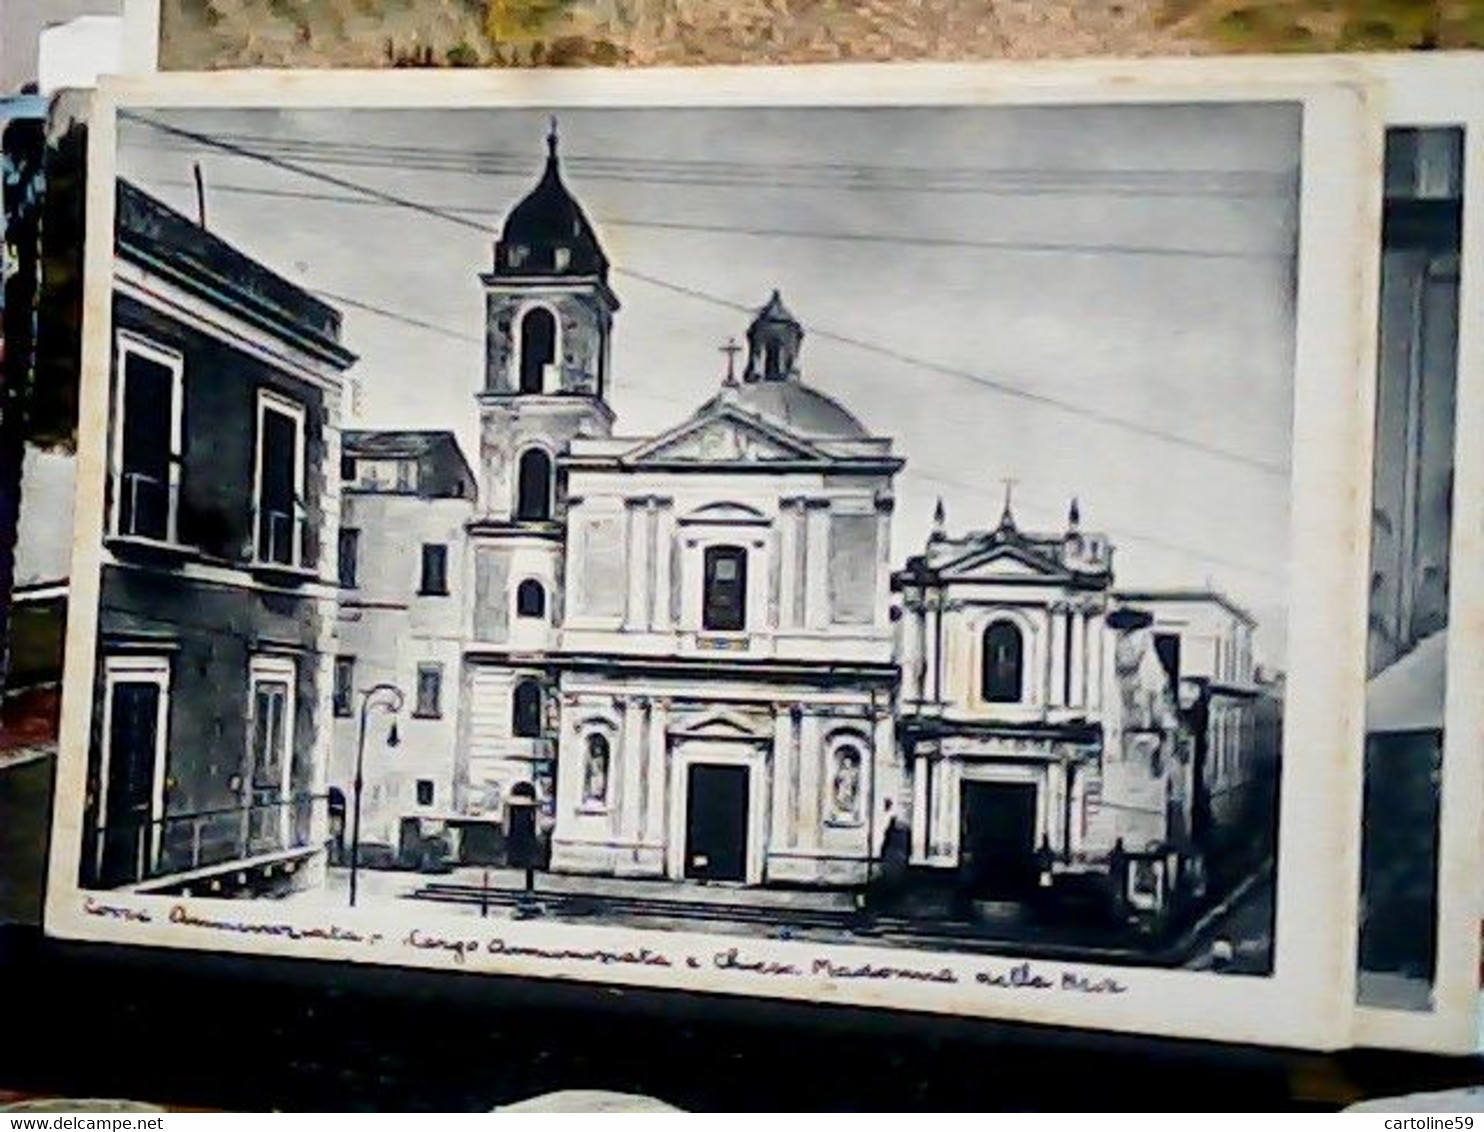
[(716, 822), (997, 850)]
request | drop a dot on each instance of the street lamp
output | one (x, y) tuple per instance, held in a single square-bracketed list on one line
[(390, 697)]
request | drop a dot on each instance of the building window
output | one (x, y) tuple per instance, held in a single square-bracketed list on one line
[(280, 480), (387, 474), (533, 490), (525, 720), (347, 469), (845, 786), (1004, 651), (148, 440), (429, 691), (345, 679), (530, 599), (131, 787), (435, 569), (537, 348), (424, 791), (725, 592), (595, 771), (270, 752), (349, 547)]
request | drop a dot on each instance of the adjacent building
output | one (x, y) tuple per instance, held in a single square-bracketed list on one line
[(215, 665), (1204, 641), (406, 498)]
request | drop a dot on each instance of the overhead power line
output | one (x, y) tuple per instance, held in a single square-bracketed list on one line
[(1004, 388), (896, 239), (792, 174)]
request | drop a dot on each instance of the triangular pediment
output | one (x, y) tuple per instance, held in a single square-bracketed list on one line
[(721, 725), (724, 436), (1002, 562)]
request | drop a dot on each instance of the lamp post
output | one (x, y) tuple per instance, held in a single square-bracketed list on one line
[(390, 696)]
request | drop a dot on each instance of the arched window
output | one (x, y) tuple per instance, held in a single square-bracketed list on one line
[(537, 348), (1004, 653), (595, 770), (533, 489), (725, 591), (530, 599), (526, 715)]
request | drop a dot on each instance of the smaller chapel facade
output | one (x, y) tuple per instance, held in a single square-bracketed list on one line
[(1039, 728)]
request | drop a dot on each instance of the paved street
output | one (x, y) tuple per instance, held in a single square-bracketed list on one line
[(826, 917)]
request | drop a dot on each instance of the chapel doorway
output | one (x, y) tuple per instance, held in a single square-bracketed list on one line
[(716, 815), (997, 847)]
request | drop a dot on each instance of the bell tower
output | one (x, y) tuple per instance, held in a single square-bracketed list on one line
[(548, 320), (773, 342)]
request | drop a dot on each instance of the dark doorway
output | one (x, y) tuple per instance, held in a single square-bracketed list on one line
[(133, 732), (716, 823), (998, 840)]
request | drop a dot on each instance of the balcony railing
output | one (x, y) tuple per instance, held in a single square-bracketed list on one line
[(281, 537), (125, 852), (146, 507)]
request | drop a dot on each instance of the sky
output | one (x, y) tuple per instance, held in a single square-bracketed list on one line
[(1092, 301)]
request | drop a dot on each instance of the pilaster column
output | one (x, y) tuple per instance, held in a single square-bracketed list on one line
[(788, 564), (806, 803), (631, 769), (1058, 655), (919, 817), (664, 555), (657, 770), (784, 772), (635, 560), (1078, 624)]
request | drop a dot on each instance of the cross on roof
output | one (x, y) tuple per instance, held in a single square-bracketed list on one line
[(731, 350)]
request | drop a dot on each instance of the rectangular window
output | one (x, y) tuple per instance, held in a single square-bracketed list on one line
[(424, 791), (350, 544), (270, 753), (345, 679), (147, 442), (435, 569), (387, 474), (347, 469), (725, 597), (280, 480), (130, 797), (429, 691)]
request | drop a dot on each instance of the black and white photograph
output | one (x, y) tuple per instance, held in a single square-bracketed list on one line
[(865, 529), (1411, 529)]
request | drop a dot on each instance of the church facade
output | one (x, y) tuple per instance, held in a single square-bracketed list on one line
[(1038, 723), (680, 644)]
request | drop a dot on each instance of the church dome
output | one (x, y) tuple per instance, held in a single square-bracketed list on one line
[(547, 233), (796, 408)]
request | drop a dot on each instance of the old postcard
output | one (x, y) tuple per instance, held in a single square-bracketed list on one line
[(891, 536)]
